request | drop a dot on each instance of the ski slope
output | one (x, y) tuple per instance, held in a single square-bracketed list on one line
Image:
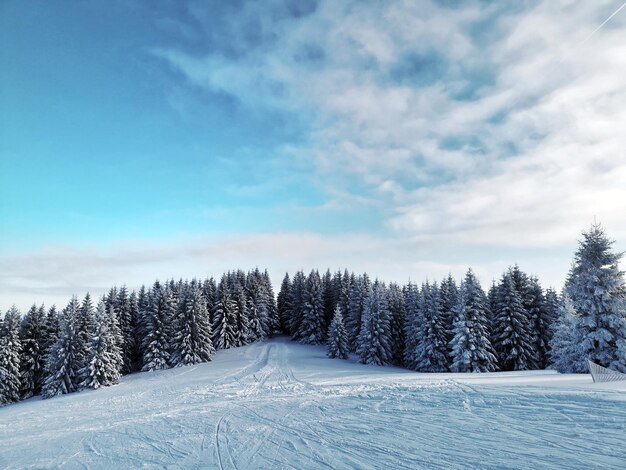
[(282, 405)]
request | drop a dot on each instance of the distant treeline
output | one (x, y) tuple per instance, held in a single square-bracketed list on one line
[(434, 327)]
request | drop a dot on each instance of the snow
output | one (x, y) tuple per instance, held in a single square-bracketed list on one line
[(278, 404)]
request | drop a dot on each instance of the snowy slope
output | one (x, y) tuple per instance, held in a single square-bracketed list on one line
[(283, 405)]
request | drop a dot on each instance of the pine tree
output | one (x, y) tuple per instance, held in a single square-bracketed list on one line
[(104, 360), (270, 302), (398, 319), (192, 340), (412, 326), (564, 351), (10, 350), (296, 302), (337, 338), (52, 329), (238, 295), (540, 323), (284, 303), (84, 326), (127, 324), (358, 298), (209, 290), (158, 317), (328, 296), (511, 329), (598, 293), (225, 328), (374, 343), (33, 355), (449, 293), (136, 356), (64, 364), (432, 349), (471, 348), (312, 325), (258, 304)]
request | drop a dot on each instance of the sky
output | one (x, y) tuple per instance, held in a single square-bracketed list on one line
[(409, 139)]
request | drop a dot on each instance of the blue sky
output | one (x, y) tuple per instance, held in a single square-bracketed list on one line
[(409, 139)]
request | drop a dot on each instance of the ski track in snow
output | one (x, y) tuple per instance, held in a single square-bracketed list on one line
[(278, 404)]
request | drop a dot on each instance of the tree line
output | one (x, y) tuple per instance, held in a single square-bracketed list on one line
[(434, 327)]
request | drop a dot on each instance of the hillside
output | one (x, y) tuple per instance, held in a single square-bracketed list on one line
[(278, 404)]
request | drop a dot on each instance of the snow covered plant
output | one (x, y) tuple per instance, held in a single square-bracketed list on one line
[(337, 338)]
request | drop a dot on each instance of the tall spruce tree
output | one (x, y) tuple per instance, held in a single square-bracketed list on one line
[(598, 293), (297, 302), (565, 356), (449, 293), (104, 359), (312, 324), (337, 337), (33, 355), (191, 343), (283, 303), (540, 323), (64, 364), (412, 326), (397, 310), (432, 349), (10, 350), (471, 348), (155, 345), (374, 342), (359, 294), (512, 339), (225, 328)]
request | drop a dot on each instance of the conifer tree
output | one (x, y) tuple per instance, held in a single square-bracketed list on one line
[(273, 326), (192, 338), (511, 329), (328, 295), (209, 290), (63, 364), (374, 343), (432, 348), (238, 295), (104, 359), (598, 293), (157, 322), (564, 351), (358, 298), (337, 338), (296, 302), (540, 323), (136, 356), (471, 348), (257, 305), (412, 327), (283, 303), (225, 328), (127, 324), (312, 325), (449, 293), (84, 325), (398, 319), (10, 350), (33, 355)]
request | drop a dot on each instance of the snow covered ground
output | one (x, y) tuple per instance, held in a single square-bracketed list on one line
[(282, 405)]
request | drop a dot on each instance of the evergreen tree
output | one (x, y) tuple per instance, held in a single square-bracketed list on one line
[(258, 304), (312, 325), (284, 303), (192, 340), (84, 326), (540, 323), (10, 350), (209, 290), (238, 295), (337, 338), (374, 343), (398, 319), (412, 327), (33, 355), (432, 349), (158, 317), (225, 328), (564, 351), (598, 293), (104, 359), (127, 324), (471, 348), (270, 302), (329, 300), (358, 298), (63, 364), (511, 329), (136, 355), (449, 293), (297, 303)]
